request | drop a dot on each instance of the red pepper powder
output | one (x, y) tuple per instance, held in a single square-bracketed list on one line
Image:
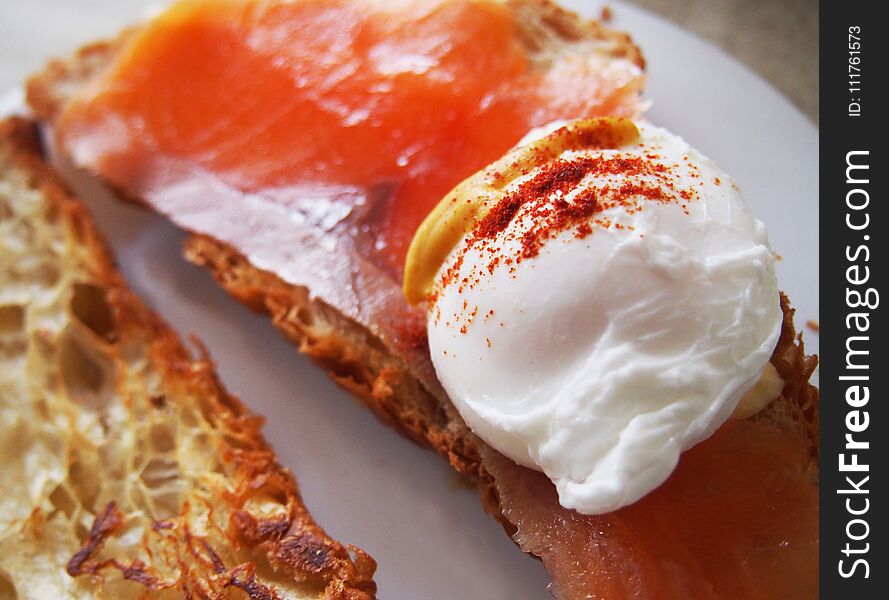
[(543, 200), (553, 215)]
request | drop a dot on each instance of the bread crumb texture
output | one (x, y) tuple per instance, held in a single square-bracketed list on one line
[(127, 471)]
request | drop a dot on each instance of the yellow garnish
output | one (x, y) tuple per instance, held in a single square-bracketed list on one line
[(456, 214), (767, 388)]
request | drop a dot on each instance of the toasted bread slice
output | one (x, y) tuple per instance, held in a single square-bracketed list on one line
[(396, 380), (399, 391), (128, 470)]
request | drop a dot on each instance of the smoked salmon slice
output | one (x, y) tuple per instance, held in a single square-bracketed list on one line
[(313, 136), (389, 102), (737, 519)]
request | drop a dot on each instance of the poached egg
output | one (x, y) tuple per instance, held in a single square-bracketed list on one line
[(599, 300)]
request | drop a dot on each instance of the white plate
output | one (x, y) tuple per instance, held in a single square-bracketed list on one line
[(363, 483)]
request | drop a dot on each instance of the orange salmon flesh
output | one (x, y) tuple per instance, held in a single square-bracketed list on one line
[(401, 98)]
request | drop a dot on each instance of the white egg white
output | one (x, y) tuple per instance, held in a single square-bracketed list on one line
[(601, 359)]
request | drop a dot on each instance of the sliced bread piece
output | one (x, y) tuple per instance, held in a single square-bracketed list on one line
[(128, 470)]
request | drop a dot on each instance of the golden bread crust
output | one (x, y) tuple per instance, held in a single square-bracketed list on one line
[(353, 358), (155, 479)]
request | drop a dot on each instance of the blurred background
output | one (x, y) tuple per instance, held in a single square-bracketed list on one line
[(778, 39)]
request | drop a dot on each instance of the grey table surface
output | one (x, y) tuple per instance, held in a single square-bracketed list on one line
[(776, 38)]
